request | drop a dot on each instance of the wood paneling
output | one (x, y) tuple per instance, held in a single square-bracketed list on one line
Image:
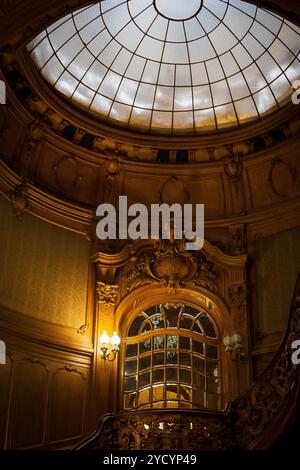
[(43, 269), (30, 399), (5, 387), (43, 400), (67, 405)]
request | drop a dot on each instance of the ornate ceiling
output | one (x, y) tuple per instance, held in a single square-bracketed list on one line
[(178, 68)]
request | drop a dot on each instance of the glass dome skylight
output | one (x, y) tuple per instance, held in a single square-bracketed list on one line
[(175, 67)]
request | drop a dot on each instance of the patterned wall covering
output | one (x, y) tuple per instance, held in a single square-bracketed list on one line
[(43, 269), (277, 267)]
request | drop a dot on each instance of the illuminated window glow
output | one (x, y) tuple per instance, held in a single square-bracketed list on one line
[(172, 360)]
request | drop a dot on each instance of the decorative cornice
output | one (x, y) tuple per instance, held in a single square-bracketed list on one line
[(45, 103), (62, 339), (77, 218), (26, 196)]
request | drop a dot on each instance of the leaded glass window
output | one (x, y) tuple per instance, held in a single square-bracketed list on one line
[(172, 359)]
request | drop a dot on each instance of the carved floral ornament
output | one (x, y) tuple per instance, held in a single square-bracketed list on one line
[(245, 424), (237, 295), (107, 293), (171, 265), (19, 199)]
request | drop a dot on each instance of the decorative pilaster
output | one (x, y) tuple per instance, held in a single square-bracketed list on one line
[(107, 293)]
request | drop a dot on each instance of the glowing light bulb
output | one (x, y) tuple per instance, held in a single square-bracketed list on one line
[(104, 338), (115, 339)]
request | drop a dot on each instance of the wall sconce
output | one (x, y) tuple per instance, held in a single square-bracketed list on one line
[(109, 346), (234, 346)]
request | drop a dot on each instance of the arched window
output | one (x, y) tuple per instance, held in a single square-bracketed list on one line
[(172, 359)]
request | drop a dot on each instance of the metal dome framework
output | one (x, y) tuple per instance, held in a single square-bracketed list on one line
[(158, 67)]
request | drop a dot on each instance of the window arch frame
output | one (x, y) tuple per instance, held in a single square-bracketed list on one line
[(147, 296)]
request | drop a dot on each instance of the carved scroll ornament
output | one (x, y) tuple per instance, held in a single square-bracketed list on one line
[(172, 266), (246, 419), (107, 293)]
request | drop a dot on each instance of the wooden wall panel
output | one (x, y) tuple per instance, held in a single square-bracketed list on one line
[(67, 405), (276, 268), (43, 269), (30, 399), (208, 190), (68, 175), (273, 276), (43, 403), (142, 190), (11, 147), (5, 386)]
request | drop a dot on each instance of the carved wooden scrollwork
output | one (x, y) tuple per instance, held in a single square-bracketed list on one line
[(83, 330), (234, 169), (256, 409), (170, 264), (20, 200), (248, 418), (107, 293), (165, 431), (237, 295)]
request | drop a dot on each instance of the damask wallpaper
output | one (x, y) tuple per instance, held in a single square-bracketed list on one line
[(277, 266), (43, 269)]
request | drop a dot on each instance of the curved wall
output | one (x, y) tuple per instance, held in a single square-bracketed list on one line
[(43, 269)]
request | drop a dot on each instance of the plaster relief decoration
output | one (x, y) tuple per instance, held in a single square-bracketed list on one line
[(237, 296), (83, 330), (238, 242), (107, 293), (68, 176), (19, 199), (173, 266), (234, 169), (173, 191), (246, 424), (207, 273), (112, 169), (35, 134), (283, 178)]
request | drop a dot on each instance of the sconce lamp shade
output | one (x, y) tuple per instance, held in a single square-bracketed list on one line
[(104, 339), (227, 341), (115, 339)]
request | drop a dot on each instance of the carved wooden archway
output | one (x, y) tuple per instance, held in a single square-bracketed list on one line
[(148, 272)]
